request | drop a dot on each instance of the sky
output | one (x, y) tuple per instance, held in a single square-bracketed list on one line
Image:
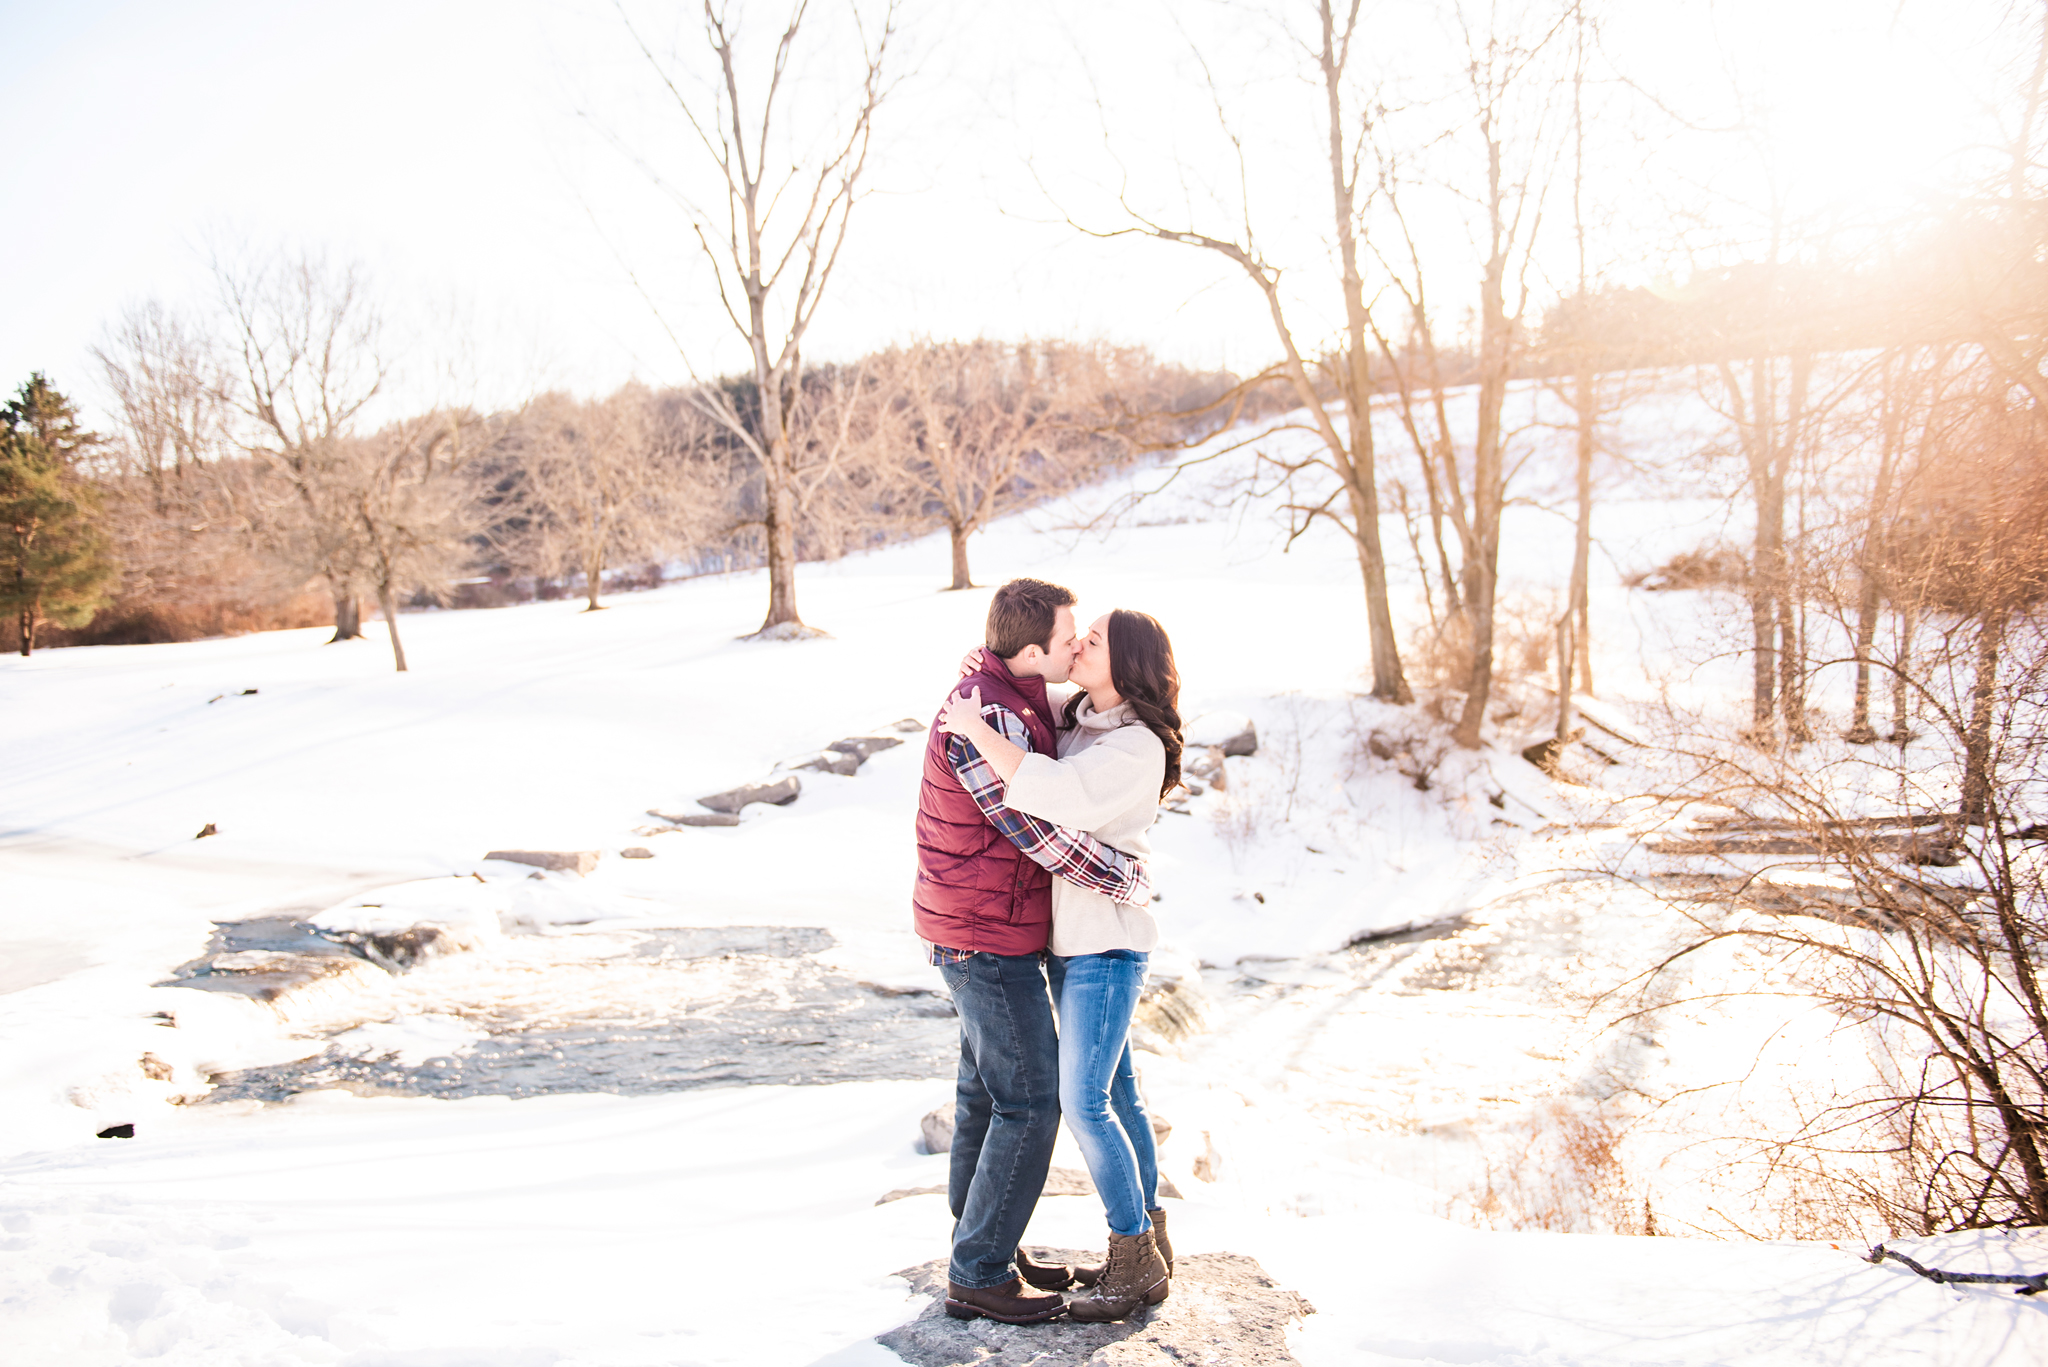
[(493, 164)]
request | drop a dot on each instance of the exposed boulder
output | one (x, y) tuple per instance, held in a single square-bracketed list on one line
[(937, 1129), (838, 762), (636, 852), (690, 819), (401, 951), (863, 746), (780, 791), (1204, 766), (1173, 1008), (906, 726), (1230, 732), (277, 961), (574, 861), (1224, 1309)]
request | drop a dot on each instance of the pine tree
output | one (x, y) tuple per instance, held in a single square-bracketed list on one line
[(55, 565)]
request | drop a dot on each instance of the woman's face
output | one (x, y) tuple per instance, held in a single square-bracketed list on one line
[(1091, 666)]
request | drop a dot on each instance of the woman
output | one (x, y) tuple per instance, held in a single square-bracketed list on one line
[(1119, 754)]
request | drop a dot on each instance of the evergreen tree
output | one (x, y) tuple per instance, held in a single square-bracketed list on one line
[(55, 564)]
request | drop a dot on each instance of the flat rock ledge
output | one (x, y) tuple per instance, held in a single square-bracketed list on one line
[(1224, 1309)]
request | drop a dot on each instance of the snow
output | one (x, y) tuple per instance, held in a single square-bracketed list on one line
[(1353, 1106)]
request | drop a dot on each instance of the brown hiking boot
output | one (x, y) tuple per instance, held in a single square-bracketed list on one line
[(1009, 1303), (1135, 1274), (1044, 1276), (1085, 1275)]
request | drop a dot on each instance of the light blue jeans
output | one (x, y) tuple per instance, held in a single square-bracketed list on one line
[(1096, 994)]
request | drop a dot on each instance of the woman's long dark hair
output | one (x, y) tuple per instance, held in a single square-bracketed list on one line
[(1141, 669)]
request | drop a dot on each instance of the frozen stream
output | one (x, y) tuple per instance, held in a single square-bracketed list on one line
[(624, 1012)]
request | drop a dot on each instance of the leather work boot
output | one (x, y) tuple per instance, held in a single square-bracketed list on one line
[(1044, 1276), (1009, 1303), (1085, 1275), (1135, 1274)]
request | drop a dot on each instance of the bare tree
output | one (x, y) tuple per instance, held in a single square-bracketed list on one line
[(1509, 157), (1343, 425), (774, 245), (170, 383), (411, 521), (601, 485), (309, 359), (983, 427)]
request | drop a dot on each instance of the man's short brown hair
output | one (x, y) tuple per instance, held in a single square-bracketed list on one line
[(1022, 614)]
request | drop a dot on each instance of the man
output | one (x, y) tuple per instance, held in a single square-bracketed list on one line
[(983, 903)]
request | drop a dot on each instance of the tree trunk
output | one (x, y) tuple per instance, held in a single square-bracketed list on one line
[(1791, 668), (1860, 731), (348, 621), (26, 625), (961, 579), (1767, 574), (1792, 585), (1482, 570), (593, 581), (1565, 654), (1871, 600), (1389, 684), (1587, 409), (781, 539), (1977, 740), (391, 624), (1902, 729)]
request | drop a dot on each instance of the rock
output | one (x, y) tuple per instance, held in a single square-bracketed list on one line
[(826, 761), (400, 951), (692, 819), (1161, 1128), (118, 1132), (636, 852), (576, 861), (1544, 754), (1224, 1310), (780, 791), (1206, 766), (155, 1069), (208, 829), (864, 746), (937, 1128), (1173, 1008), (907, 725), (285, 964), (1230, 732)]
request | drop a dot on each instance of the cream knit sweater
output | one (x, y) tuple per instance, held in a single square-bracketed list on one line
[(1105, 782)]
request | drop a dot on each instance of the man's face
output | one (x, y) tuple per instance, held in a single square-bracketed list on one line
[(1066, 644)]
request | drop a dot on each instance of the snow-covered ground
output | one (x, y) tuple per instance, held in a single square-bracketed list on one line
[(1348, 1116)]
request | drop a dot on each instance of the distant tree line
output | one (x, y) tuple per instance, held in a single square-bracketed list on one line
[(246, 485)]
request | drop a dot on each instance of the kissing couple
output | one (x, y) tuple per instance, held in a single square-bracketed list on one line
[(1035, 902)]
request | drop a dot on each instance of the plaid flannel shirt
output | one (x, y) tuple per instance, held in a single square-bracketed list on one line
[(1066, 853)]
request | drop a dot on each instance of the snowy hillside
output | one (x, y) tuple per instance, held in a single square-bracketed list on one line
[(1379, 1074)]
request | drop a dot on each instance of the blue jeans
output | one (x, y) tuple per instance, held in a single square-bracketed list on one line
[(1098, 1086), (1007, 1112)]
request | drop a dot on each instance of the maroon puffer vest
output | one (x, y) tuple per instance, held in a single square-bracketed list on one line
[(975, 890)]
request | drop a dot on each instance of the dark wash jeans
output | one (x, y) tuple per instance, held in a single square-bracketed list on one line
[(1007, 1113)]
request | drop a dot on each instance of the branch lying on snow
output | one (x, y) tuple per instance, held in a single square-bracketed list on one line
[(2028, 1285)]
